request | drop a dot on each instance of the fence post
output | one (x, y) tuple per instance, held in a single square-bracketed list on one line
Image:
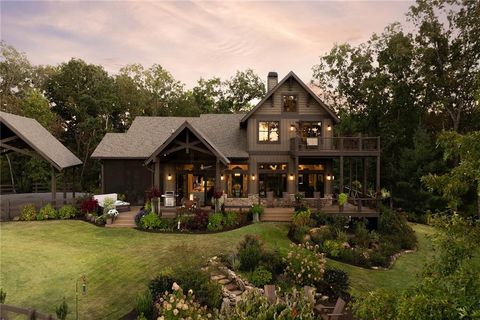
[(31, 314)]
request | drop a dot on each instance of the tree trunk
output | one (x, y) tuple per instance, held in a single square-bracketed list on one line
[(11, 171), (478, 199)]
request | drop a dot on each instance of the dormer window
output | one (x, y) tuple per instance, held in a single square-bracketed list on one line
[(268, 131), (289, 103)]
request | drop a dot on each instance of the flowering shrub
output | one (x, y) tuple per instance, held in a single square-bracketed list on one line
[(28, 213), (215, 222), (304, 264), (89, 205), (153, 193), (177, 305), (261, 276), (250, 252)]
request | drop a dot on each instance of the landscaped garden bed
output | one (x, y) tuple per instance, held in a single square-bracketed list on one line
[(354, 241), (191, 220)]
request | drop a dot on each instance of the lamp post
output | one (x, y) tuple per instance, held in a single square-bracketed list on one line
[(84, 291)]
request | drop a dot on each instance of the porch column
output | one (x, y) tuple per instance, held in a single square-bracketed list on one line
[(365, 174), (340, 184), (156, 175), (103, 178), (73, 182), (377, 184), (327, 190), (218, 186), (64, 186), (54, 187), (350, 172)]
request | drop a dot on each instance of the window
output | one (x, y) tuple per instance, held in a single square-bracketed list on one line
[(289, 103), (311, 129), (268, 131)]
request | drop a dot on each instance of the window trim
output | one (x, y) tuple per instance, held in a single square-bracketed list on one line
[(269, 142)]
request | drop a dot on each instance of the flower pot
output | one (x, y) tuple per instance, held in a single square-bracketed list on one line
[(340, 207)]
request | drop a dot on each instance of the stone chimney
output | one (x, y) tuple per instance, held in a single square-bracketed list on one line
[(272, 80)]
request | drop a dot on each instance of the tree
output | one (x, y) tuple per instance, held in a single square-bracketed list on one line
[(35, 105), (83, 97), (465, 151), (244, 87), (448, 55)]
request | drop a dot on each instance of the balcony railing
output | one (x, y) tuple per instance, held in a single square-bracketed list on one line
[(347, 144)]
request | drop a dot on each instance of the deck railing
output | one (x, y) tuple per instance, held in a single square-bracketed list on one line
[(351, 144)]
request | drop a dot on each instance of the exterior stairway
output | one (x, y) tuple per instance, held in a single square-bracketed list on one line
[(277, 215), (125, 219)]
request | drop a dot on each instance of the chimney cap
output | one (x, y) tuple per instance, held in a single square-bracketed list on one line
[(272, 74)]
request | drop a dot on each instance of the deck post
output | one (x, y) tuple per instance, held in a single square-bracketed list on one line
[(103, 178), (296, 174), (365, 173), (350, 175), (377, 186), (54, 187), (217, 175), (341, 175), (73, 182), (64, 186)]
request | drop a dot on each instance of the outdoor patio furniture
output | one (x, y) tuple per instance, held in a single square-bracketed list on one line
[(121, 206), (331, 313)]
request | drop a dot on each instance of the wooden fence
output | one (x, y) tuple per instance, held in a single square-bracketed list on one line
[(7, 312), (11, 209)]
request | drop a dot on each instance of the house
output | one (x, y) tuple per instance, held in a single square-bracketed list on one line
[(284, 145)]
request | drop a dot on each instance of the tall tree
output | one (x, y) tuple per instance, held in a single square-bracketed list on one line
[(448, 55), (464, 150)]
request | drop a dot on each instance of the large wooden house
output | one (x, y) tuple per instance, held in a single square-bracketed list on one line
[(286, 144)]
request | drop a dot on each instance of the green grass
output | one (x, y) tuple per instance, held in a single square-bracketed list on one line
[(40, 262)]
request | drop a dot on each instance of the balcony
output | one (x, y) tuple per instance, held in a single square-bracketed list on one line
[(335, 146)]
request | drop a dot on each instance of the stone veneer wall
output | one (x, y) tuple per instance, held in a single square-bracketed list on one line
[(277, 202)]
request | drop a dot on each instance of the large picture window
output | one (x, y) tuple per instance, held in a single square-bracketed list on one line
[(268, 131)]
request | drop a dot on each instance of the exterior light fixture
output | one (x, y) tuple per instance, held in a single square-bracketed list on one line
[(253, 177), (236, 174), (330, 177), (291, 177), (292, 127), (329, 128), (169, 177), (222, 177)]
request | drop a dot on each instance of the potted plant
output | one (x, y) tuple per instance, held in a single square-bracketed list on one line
[(257, 210), (342, 199)]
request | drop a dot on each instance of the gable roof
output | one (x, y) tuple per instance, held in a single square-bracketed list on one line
[(304, 86), (36, 137), (146, 134), (202, 137)]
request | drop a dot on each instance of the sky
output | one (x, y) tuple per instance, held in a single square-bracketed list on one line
[(193, 39)]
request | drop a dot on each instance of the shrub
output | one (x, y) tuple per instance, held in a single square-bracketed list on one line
[(319, 218), (298, 234), (89, 205), (160, 284), (362, 236), (260, 276), (151, 221), (230, 219), (138, 217), (3, 295), (67, 212), (199, 221), (207, 292), (319, 235), (177, 305), (334, 284), (342, 199), (304, 264), (255, 305), (144, 304), (250, 251), (332, 247), (272, 260), (47, 212), (257, 208), (28, 213), (395, 226), (301, 218), (62, 310), (215, 222)]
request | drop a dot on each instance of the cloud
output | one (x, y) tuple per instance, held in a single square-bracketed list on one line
[(193, 39)]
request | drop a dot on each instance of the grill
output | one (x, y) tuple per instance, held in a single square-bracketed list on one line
[(169, 198)]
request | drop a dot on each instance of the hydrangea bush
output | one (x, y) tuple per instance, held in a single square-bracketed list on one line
[(305, 265), (178, 305)]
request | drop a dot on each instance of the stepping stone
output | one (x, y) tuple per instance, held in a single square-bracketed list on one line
[(231, 287), (224, 281), (217, 277), (237, 293)]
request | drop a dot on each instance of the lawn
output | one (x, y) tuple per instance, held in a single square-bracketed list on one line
[(40, 262)]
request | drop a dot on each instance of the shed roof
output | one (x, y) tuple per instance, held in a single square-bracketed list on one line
[(146, 134), (34, 137)]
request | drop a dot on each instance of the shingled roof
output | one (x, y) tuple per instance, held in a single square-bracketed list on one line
[(146, 134), (24, 133)]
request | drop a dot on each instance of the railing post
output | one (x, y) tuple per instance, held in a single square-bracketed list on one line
[(360, 141), (341, 144), (359, 204)]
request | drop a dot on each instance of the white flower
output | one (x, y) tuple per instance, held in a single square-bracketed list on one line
[(160, 318), (175, 312), (169, 306), (190, 291), (175, 286)]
